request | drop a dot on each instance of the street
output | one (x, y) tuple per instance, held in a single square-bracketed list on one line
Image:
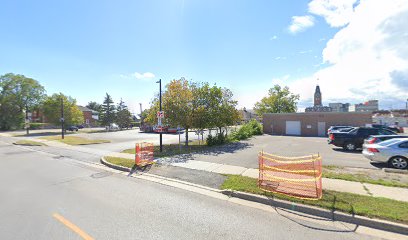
[(43, 194)]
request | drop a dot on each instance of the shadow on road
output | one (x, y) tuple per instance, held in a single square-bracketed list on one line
[(347, 151)]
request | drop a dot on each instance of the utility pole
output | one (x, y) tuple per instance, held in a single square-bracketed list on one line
[(141, 111), (160, 100), (62, 118), (27, 123)]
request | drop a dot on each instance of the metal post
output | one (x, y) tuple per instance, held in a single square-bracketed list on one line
[(160, 99), (27, 125), (62, 118)]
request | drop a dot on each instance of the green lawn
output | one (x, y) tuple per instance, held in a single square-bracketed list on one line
[(124, 162), (363, 178), (375, 207), (72, 140), (175, 149), (29, 143)]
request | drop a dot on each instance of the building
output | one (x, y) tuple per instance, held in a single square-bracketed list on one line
[(339, 107), (311, 123), (317, 103), (90, 116), (248, 114), (391, 118), (369, 106)]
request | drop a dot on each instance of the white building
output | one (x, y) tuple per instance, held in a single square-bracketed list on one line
[(393, 117), (369, 106)]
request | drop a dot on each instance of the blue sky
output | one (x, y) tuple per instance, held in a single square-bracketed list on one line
[(87, 48)]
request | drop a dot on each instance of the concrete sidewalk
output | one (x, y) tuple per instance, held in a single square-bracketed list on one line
[(366, 189)]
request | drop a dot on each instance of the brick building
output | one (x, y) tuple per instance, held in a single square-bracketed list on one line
[(311, 123), (90, 116)]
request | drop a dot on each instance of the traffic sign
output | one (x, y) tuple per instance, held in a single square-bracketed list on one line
[(160, 114)]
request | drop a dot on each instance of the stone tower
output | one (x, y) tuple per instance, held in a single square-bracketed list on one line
[(317, 97)]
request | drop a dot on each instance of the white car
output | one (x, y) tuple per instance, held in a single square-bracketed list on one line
[(113, 126), (393, 151)]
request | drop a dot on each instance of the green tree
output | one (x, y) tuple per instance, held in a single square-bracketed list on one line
[(94, 106), (52, 110), (107, 113), (19, 94), (279, 100), (123, 116)]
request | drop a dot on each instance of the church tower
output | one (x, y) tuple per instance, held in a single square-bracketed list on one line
[(317, 97)]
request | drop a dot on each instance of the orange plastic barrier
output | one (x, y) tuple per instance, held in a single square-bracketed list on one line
[(299, 177), (144, 153)]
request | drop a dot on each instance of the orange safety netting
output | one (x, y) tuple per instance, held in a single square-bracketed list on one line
[(299, 177), (144, 153)]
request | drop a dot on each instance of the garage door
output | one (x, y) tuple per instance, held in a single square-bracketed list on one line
[(292, 127)]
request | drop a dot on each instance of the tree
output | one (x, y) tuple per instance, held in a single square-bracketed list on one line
[(279, 100), (52, 110), (18, 94), (94, 106), (107, 113), (123, 116)]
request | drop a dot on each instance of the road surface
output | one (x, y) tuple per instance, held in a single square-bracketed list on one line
[(45, 196)]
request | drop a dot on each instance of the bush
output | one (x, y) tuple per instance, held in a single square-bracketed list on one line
[(247, 130), (34, 126), (218, 139)]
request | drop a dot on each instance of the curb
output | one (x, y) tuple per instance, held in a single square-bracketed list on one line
[(311, 210), (324, 213), (393, 170)]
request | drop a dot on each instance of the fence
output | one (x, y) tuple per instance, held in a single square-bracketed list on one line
[(144, 153), (299, 177)]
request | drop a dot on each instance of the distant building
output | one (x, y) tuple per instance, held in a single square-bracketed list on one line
[(247, 115), (391, 118), (369, 106), (339, 107), (90, 116), (318, 107)]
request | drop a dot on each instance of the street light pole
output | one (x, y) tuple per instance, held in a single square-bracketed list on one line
[(160, 100), (62, 118)]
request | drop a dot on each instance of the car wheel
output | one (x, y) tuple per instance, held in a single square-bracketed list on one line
[(349, 146), (398, 162)]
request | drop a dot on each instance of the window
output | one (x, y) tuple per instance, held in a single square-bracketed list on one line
[(404, 145)]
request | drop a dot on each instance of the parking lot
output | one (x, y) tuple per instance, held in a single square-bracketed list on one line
[(245, 153)]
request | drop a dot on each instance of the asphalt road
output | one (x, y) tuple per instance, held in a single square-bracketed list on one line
[(44, 196)]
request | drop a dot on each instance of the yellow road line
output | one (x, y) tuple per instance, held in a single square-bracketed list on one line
[(72, 226)]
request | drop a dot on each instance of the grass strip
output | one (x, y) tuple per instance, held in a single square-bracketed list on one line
[(29, 143), (363, 179), (175, 149), (72, 140), (124, 162), (373, 207)]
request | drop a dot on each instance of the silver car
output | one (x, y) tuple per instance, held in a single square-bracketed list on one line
[(393, 151)]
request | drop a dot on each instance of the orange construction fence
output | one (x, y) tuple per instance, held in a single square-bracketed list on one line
[(144, 153), (299, 177)]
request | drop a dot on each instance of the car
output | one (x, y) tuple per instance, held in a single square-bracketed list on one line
[(80, 126), (72, 128), (354, 139), (112, 126), (392, 128), (380, 138), (393, 151), (337, 128)]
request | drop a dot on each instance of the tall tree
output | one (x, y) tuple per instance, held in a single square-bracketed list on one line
[(107, 113), (123, 116), (94, 106), (279, 100), (19, 94), (52, 110)]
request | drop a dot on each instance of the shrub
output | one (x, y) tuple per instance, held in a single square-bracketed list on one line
[(247, 130), (218, 139), (34, 126)]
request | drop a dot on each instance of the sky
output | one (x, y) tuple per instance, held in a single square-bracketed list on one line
[(355, 50)]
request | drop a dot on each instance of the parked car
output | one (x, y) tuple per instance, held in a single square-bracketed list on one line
[(379, 138), (72, 128), (393, 151), (391, 128), (80, 126), (112, 126), (354, 139), (337, 128)]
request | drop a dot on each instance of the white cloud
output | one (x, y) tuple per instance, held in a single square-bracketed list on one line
[(337, 13), (139, 76), (301, 23), (368, 57), (274, 37)]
